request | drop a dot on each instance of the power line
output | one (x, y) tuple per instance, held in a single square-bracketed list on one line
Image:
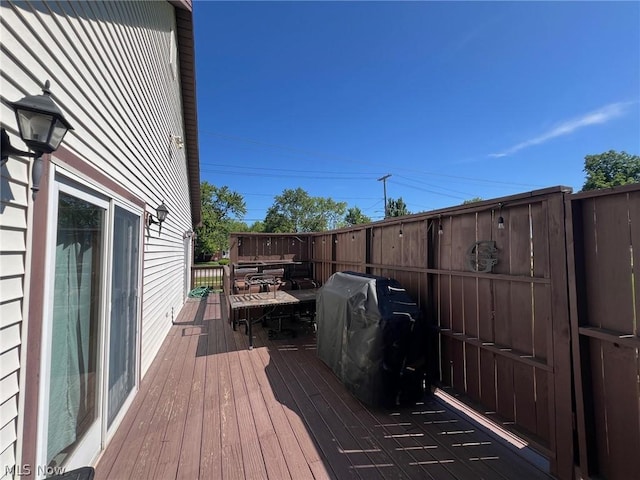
[(360, 162), (276, 194), (350, 177), (477, 180), (290, 170), (428, 191)]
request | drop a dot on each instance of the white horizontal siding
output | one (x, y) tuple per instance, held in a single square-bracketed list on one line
[(11, 289), (13, 216), (7, 458), (9, 342), (11, 264), (8, 436), (13, 229), (110, 73), (15, 176), (8, 387), (9, 374), (163, 267), (12, 240), (8, 411), (10, 312)]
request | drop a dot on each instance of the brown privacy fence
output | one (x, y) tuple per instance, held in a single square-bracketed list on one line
[(535, 304), (605, 312)]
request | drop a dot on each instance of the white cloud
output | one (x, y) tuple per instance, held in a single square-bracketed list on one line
[(600, 116)]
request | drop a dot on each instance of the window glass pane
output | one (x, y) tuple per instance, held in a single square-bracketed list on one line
[(76, 326), (124, 310)]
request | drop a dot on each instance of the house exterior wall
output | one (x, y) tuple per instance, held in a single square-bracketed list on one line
[(114, 72), (13, 253)]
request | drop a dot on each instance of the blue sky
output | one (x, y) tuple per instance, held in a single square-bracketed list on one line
[(454, 100)]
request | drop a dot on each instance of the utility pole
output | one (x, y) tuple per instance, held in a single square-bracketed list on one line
[(384, 183)]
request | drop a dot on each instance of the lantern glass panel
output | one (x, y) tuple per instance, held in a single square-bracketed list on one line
[(34, 126), (58, 133)]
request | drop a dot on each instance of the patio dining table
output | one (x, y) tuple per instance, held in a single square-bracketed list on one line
[(247, 301)]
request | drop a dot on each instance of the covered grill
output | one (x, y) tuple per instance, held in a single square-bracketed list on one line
[(372, 335)]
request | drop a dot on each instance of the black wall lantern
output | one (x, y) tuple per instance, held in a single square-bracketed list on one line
[(161, 215), (42, 127)]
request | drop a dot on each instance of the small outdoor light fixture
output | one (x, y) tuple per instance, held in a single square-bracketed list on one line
[(400, 233), (177, 141), (161, 215), (500, 217), (42, 127), (440, 229)]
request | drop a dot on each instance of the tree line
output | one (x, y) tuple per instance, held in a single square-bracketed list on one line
[(294, 210)]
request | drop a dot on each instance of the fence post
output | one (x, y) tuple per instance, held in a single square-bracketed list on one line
[(561, 438)]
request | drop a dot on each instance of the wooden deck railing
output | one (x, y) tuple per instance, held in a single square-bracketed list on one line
[(207, 276)]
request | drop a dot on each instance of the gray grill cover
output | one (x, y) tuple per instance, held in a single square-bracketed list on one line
[(366, 333)]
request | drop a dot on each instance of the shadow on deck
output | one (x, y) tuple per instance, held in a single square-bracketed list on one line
[(209, 408)]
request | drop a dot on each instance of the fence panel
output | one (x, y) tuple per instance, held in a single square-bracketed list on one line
[(504, 337), (604, 311)]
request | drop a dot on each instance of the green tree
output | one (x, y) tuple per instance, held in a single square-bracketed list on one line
[(257, 226), (219, 206), (397, 208), (472, 200), (297, 211), (355, 216), (234, 225), (610, 169)]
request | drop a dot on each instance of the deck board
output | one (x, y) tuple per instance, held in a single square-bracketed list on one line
[(210, 408), (412, 462)]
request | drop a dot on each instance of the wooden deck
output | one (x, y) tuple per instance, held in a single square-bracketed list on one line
[(210, 408)]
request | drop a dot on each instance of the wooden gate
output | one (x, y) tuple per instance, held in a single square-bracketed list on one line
[(604, 247)]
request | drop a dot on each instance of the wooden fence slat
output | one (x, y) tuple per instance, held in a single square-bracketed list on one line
[(609, 263), (472, 371), (525, 396), (470, 306), (488, 384), (542, 403), (504, 387), (457, 304), (621, 412)]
